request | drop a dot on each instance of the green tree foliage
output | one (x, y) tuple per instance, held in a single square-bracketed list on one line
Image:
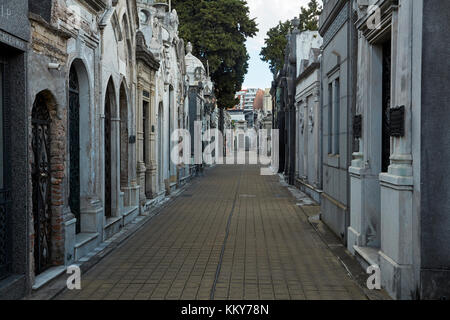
[(276, 41), (218, 30), (309, 17)]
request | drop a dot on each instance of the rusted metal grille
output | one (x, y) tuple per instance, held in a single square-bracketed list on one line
[(41, 185)]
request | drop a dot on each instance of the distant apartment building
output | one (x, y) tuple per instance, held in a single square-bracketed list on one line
[(267, 102), (246, 99)]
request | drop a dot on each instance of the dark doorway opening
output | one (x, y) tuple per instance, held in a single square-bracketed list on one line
[(123, 138), (386, 106), (109, 100), (74, 146)]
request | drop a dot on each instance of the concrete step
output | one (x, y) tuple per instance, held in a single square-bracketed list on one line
[(112, 226), (129, 214), (84, 243), (367, 256), (47, 276)]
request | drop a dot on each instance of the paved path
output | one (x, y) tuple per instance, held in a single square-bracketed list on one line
[(233, 234)]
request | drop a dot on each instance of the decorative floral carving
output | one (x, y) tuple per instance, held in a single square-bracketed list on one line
[(311, 119)]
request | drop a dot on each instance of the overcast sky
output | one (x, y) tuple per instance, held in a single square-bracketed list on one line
[(267, 13)]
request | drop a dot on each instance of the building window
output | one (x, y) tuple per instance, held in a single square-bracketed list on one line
[(337, 116), (330, 118)]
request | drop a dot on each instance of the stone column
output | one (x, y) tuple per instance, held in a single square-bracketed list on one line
[(317, 138), (396, 257), (356, 230), (153, 138), (140, 144), (133, 189), (117, 195), (297, 144), (305, 137)]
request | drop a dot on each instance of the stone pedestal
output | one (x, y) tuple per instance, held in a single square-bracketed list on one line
[(121, 203), (141, 170), (396, 255), (149, 192), (356, 201), (131, 196), (91, 216), (70, 224)]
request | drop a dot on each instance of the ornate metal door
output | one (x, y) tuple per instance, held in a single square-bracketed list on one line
[(41, 185), (74, 146), (108, 157), (386, 141)]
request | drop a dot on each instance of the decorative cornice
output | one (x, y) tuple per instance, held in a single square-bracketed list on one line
[(387, 7), (330, 11), (97, 5), (335, 24), (145, 55), (38, 19), (308, 71)]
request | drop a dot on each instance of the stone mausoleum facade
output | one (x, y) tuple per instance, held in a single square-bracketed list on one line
[(99, 88), (381, 75)]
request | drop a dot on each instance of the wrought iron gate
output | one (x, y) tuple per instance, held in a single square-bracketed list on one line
[(107, 156), (74, 146), (386, 141), (41, 185)]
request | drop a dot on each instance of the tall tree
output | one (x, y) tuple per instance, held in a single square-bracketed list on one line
[(218, 30), (276, 41), (309, 16)]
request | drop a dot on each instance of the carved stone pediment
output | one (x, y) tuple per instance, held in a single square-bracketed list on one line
[(143, 54), (97, 5), (374, 21)]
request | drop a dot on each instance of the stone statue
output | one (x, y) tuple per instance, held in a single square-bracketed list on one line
[(189, 48)]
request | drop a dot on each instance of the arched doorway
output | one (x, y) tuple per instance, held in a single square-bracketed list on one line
[(74, 146), (109, 107), (123, 138), (41, 179)]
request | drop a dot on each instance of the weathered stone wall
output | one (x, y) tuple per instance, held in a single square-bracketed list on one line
[(14, 37), (336, 29), (434, 136), (48, 45)]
